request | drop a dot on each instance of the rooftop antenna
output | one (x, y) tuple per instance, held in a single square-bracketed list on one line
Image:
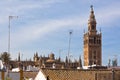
[(69, 45), (9, 26)]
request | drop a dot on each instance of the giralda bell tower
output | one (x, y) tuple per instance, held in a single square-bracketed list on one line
[(92, 43)]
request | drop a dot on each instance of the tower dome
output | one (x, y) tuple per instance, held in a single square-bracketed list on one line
[(51, 56)]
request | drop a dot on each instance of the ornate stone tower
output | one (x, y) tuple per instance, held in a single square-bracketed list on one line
[(92, 43)]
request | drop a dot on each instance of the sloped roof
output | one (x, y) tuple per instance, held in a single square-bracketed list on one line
[(78, 74), (66, 74), (30, 74)]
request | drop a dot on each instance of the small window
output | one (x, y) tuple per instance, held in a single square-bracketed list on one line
[(94, 40), (93, 27), (94, 55), (94, 62)]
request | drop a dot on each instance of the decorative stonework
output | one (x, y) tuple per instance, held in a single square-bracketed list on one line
[(92, 43)]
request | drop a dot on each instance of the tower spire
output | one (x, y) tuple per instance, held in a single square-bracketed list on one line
[(92, 22), (91, 7), (92, 16)]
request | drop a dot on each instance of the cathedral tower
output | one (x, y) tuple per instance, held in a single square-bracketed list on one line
[(92, 43)]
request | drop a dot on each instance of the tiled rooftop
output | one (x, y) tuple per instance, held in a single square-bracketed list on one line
[(30, 74), (74, 74)]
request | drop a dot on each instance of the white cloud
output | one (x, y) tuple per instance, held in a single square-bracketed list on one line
[(22, 7), (38, 30), (107, 15), (34, 31)]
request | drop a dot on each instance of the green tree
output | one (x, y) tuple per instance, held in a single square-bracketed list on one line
[(5, 57)]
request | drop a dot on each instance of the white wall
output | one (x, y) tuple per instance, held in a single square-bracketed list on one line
[(40, 76)]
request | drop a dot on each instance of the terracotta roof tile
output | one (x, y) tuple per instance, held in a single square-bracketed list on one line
[(74, 74), (30, 74)]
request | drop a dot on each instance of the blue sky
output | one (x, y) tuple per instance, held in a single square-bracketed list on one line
[(43, 26)]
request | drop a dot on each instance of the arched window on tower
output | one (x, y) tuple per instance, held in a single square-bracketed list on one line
[(94, 53), (93, 27), (99, 41), (94, 40), (94, 57)]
